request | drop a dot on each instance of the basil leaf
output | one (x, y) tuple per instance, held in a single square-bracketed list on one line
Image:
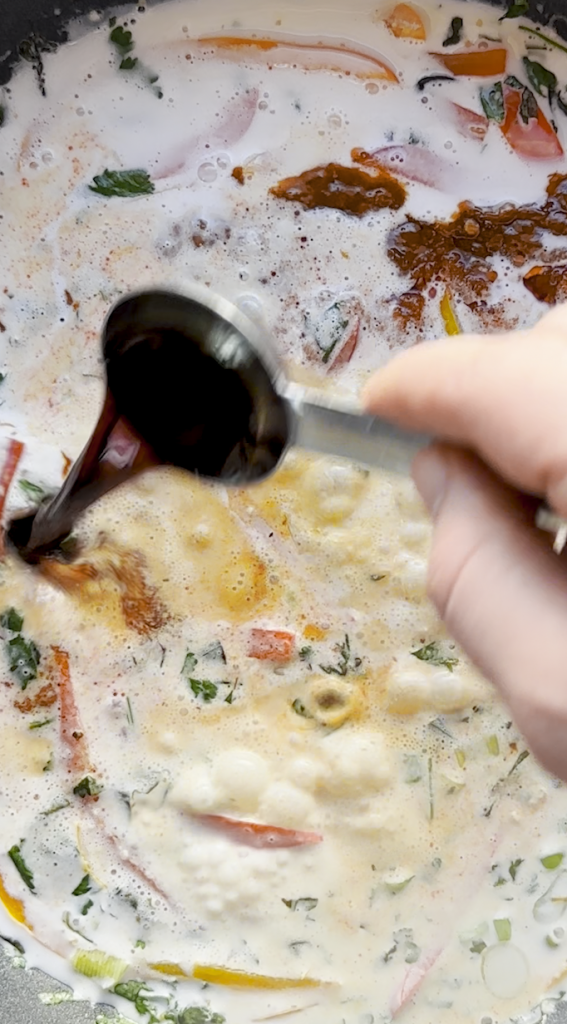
[(455, 32), (12, 620), (305, 903), (83, 887), (516, 10), (32, 491), (123, 183), (24, 658), (87, 787), (541, 78), (432, 653), (26, 875), (492, 100)]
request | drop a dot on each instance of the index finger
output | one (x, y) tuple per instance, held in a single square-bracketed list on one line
[(503, 396)]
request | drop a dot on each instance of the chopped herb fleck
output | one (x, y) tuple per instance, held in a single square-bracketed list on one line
[(477, 946), (12, 620), (87, 787), (540, 35), (215, 652), (32, 491), (346, 663), (129, 712), (83, 887), (513, 869), (199, 1015), (122, 184), (455, 32), (136, 992), (432, 653), (15, 855), (40, 725), (122, 39), (2, 120), (139, 944), (57, 807), (438, 725), (305, 903), (86, 907), (300, 709), (189, 663), (305, 653), (23, 658), (492, 101), (521, 757)]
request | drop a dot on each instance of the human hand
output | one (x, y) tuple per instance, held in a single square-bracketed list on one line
[(499, 404)]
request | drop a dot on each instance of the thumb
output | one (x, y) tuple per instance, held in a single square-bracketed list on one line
[(501, 591)]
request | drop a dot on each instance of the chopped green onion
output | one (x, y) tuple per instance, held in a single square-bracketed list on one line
[(395, 886), (93, 963), (552, 861), (461, 758), (503, 929), (492, 745)]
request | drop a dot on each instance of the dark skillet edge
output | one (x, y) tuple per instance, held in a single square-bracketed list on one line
[(22, 20)]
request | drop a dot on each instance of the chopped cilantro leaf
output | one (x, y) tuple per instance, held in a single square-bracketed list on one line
[(299, 707), (200, 1015), (432, 652), (86, 907), (23, 658), (122, 184), (17, 859), (12, 620), (128, 63), (122, 39), (83, 887), (189, 663), (204, 688), (305, 653), (87, 787)]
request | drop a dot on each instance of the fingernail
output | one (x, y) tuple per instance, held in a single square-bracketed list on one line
[(429, 472)]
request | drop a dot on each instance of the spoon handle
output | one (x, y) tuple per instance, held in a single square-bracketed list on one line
[(333, 427)]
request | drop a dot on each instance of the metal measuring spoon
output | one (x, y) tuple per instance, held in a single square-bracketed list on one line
[(192, 382)]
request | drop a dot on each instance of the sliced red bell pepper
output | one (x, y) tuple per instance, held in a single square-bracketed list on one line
[(250, 833), (271, 645)]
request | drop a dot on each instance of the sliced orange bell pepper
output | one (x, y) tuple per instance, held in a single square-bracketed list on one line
[(240, 979), (478, 63), (13, 456), (318, 55), (404, 22), (171, 970), (534, 138), (271, 645), (452, 325), (14, 907)]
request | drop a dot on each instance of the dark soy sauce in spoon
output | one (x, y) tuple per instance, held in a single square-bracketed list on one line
[(184, 389)]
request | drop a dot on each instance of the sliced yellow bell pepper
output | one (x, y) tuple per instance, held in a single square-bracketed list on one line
[(240, 979), (172, 970), (452, 325), (14, 907)]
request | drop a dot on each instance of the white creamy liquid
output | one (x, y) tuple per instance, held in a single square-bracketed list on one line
[(413, 868)]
